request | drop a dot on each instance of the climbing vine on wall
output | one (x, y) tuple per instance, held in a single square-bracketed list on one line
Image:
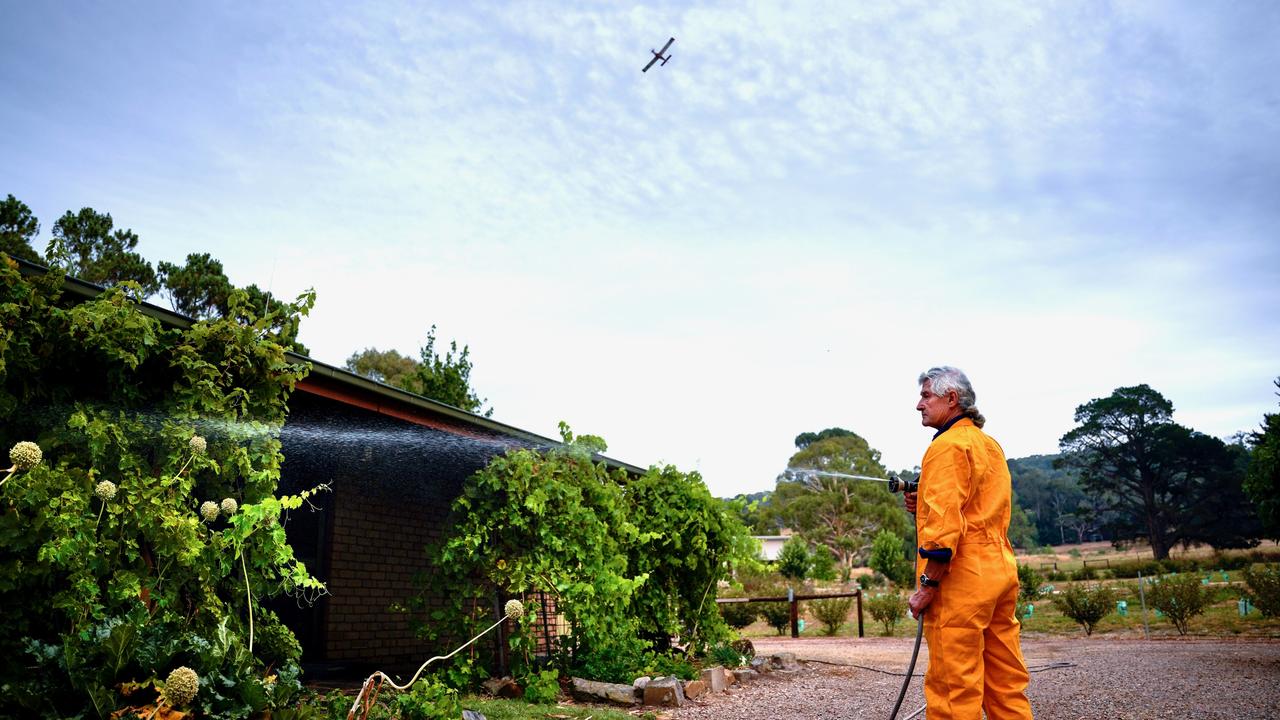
[(629, 561), (149, 535)]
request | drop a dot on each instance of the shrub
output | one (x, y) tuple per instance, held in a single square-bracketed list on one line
[(1029, 583), (1085, 573), (1131, 568), (1086, 604), (428, 700), (739, 614), (832, 613), (866, 582), (542, 686), (131, 585), (1264, 588), (793, 559), (777, 614), (823, 564), (727, 656), (1180, 597), (889, 557), (672, 665), (887, 609)]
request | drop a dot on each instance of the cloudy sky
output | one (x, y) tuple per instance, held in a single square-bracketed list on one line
[(774, 233)]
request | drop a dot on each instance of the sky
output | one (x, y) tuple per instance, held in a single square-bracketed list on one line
[(774, 233)]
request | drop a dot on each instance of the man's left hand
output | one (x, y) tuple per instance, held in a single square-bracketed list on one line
[(920, 599)]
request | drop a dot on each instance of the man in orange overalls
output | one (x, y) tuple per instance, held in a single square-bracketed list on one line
[(968, 580)]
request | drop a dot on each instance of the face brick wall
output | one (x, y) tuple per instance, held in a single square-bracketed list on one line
[(377, 546), (392, 483)]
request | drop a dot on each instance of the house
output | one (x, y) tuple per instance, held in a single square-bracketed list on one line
[(771, 545), (394, 462)]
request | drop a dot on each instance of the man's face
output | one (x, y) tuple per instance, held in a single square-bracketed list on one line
[(936, 411)]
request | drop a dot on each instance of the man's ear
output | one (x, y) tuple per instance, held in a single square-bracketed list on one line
[(953, 398)]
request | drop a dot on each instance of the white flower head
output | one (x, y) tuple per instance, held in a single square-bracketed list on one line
[(229, 506), (209, 510), (25, 455), (198, 444), (105, 490), (181, 686), (514, 609)]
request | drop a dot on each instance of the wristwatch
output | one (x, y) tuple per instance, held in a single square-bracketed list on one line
[(926, 581)]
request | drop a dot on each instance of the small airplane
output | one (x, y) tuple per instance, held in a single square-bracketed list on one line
[(657, 55)]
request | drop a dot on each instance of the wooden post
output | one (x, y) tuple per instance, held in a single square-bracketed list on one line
[(860, 612), (795, 613)]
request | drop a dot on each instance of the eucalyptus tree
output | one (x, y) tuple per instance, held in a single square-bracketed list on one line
[(839, 513)]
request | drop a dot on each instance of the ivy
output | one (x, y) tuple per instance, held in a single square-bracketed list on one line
[(107, 592)]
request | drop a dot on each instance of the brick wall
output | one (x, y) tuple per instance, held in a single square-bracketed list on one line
[(376, 547)]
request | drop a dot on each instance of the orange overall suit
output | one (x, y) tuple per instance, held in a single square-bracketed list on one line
[(962, 516)]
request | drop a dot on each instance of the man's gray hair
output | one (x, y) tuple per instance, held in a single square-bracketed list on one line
[(943, 380)]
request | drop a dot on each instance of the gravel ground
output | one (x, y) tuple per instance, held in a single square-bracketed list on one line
[(1108, 679)]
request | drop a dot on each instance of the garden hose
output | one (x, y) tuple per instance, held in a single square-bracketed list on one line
[(915, 651)]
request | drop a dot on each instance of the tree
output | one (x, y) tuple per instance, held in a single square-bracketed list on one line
[(86, 245), (805, 439), (448, 378), (1263, 479), (18, 228), (1049, 491), (1156, 475), (198, 289), (201, 290), (1021, 532), (840, 513), (388, 367)]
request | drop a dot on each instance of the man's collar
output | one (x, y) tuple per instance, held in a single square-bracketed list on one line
[(948, 424)]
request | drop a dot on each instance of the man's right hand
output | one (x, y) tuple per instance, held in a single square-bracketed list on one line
[(909, 499)]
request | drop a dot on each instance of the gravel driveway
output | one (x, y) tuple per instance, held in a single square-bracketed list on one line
[(1108, 679)]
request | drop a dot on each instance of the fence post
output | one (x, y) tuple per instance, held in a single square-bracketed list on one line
[(795, 613), (860, 612), (1146, 631)]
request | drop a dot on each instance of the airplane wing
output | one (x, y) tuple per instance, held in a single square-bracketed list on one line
[(651, 62), (663, 51)]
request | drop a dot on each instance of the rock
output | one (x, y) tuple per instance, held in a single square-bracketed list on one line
[(714, 678), (744, 646), (760, 665), (511, 691), (664, 691), (746, 675), (503, 687), (472, 715), (694, 688), (729, 677), (784, 661), (591, 690), (641, 681)]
